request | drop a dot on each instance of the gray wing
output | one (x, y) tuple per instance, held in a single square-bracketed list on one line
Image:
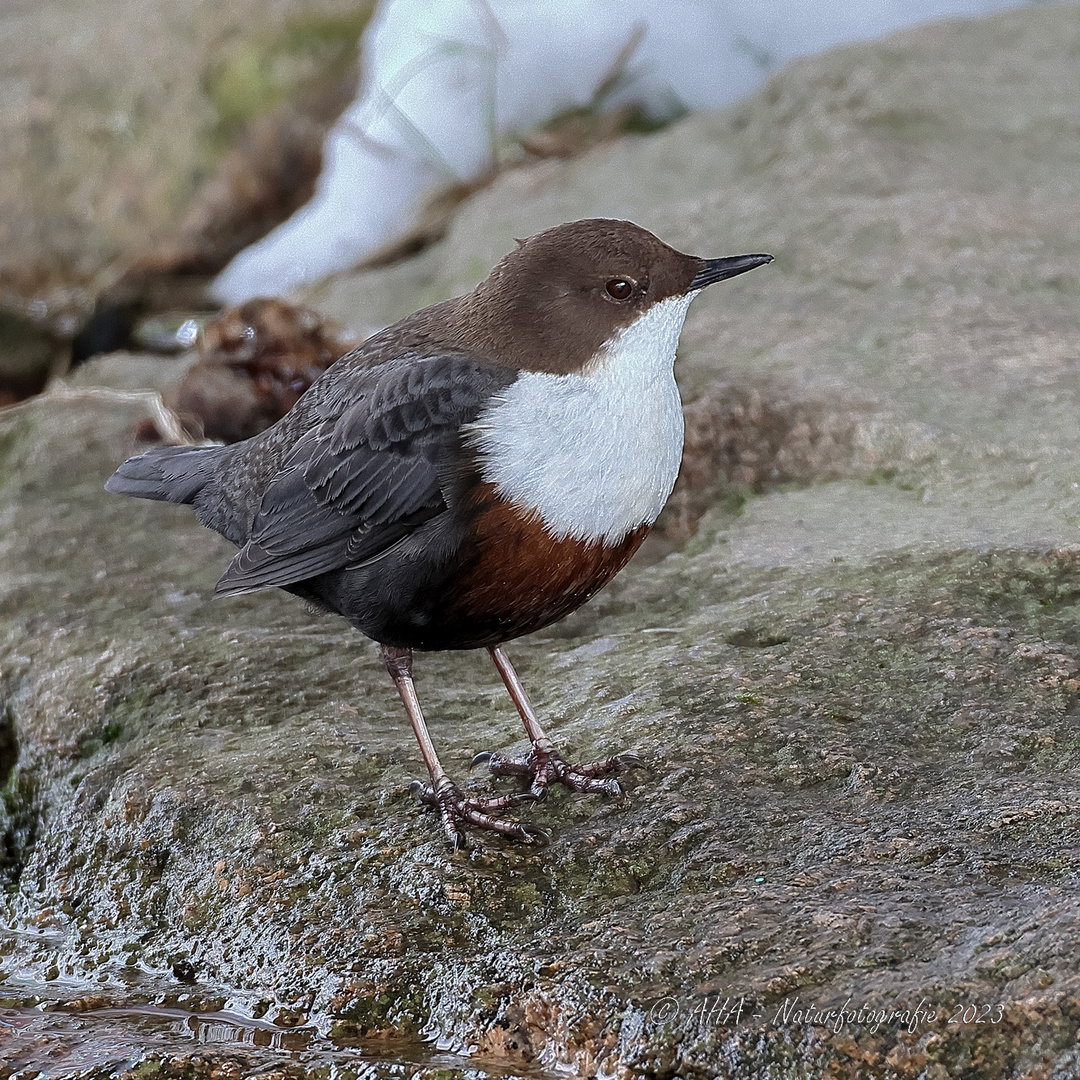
[(360, 480)]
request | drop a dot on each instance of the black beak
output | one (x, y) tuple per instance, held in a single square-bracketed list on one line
[(722, 269)]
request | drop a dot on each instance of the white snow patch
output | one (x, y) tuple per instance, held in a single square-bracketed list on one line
[(445, 80)]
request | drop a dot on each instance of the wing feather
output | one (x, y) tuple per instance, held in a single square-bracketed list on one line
[(359, 481)]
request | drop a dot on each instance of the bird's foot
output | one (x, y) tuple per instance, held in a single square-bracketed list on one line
[(458, 809), (544, 766)]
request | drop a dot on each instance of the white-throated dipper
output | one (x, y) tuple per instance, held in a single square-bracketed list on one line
[(470, 474)]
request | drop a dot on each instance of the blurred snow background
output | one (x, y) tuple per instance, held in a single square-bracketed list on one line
[(446, 82)]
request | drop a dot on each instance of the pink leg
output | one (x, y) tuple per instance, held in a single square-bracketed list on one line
[(543, 764), (454, 806)]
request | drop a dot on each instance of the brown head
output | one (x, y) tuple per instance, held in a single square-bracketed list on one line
[(553, 301)]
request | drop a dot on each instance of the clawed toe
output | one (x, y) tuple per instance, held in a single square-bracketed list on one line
[(541, 767), (458, 809), (425, 793), (544, 766), (629, 761), (615, 764), (501, 765)]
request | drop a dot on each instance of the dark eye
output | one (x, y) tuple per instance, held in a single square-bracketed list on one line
[(619, 289)]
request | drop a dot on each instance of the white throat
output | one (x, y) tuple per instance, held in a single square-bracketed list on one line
[(594, 455)]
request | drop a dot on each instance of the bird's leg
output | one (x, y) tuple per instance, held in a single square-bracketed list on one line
[(454, 806), (543, 763)]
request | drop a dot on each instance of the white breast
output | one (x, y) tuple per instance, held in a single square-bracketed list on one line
[(594, 455)]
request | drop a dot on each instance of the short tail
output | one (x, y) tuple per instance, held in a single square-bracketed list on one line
[(166, 473)]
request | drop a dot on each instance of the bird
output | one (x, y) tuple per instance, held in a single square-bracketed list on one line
[(471, 474)]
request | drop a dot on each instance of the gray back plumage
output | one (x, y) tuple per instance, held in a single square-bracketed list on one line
[(167, 473), (365, 457)]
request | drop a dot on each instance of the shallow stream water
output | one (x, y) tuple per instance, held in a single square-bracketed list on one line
[(42, 1037)]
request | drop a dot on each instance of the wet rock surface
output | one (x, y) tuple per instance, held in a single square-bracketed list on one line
[(856, 684), (172, 134)]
